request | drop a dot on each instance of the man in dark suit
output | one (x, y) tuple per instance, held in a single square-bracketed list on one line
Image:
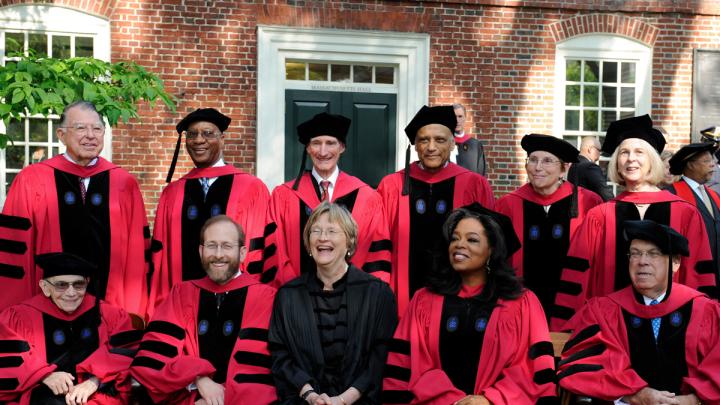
[(712, 134), (586, 173), (469, 152)]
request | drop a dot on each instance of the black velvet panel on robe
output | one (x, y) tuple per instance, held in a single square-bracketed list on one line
[(67, 343), (661, 365), (430, 205), (85, 227), (546, 238), (463, 325), (198, 208), (218, 324), (625, 211)]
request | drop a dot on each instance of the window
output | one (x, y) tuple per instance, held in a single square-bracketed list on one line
[(56, 32), (336, 72)]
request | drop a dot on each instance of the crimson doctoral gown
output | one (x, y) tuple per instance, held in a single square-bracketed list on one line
[(181, 213), (285, 253), (612, 352), (416, 219), (544, 236), (597, 263), (515, 366), (108, 229), (42, 339), (205, 329)]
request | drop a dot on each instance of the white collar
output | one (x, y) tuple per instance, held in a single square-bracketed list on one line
[(332, 179), (660, 297), (692, 183), (219, 163), (92, 162)]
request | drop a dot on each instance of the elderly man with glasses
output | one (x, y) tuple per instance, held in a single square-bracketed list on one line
[(212, 188), (80, 203)]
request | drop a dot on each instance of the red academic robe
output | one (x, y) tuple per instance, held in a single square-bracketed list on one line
[(596, 268), (28, 338), (35, 195), (468, 188), (247, 204), (285, 254), (516, 363), (597, 360), (547, 235), (170, 359)]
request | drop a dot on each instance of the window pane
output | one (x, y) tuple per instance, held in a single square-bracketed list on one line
[(362, 74), (61, 47), (294, 71), (572, 120), (9, 177), (318, 71), (572, 70), (627, 97), (84, 46), (16, 130), (38, 153), (610, 72), (572, 94), (55, 151), (609, 96), (627, 114), (340, 73), (15, 157), (38, 42), (592, 71), (590, 97), (38, 130), (607, 118), (628, 72), (53, 126), (14, 42), (384, 74), (590, 120)]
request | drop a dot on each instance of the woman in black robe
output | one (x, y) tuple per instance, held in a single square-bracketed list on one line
[(329, 329)]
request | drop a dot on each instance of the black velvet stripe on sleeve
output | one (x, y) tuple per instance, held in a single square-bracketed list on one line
[(584, 334), (160, 348), (156, 245), (269, 251), (166, 328), (266, 379), (12, 246), (14, 346), (576, 263), (149, 362), (547, 401), (544, 348), (7, 384), (704, 267), (397, 372), (268, 275), (544, 376), (585, 353), (380, 265), (126, 338), (10, 361), (146, 232), (569, 287), (269, 229), (253, 359), (13, 222), (255, 267), (256, 243), (378, 245), (399, 346), (124, 351), (710, 291), (10, 271), (562, 312), (397, 397), (578, 368)]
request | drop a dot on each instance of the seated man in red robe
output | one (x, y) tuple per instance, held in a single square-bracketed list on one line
[(207, 341), (65, 346), (653, 342)]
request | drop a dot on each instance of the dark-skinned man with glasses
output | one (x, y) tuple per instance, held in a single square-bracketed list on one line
[(212, 188), (80, 203)]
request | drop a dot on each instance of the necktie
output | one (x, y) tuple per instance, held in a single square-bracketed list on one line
[(83, 190), (324, 188), (205, 183), (655, 322), (706, 199)]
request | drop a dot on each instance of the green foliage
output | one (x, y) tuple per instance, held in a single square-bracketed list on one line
[(30, 85)]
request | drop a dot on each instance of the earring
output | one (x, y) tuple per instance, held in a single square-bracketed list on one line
[(487, 268)]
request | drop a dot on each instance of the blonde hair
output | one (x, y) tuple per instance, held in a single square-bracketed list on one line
[(655, 175), (337, 214)]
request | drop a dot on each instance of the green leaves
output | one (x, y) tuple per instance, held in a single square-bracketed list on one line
[(32, 85)]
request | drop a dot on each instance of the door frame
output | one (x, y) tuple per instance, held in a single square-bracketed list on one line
[(410, 52)]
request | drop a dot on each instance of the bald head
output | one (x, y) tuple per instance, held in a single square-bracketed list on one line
[(590, 148)]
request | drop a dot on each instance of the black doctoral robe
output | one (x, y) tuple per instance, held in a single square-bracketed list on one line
[(294, 338)]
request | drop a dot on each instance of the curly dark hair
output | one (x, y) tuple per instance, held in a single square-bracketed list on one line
[(501, 282)]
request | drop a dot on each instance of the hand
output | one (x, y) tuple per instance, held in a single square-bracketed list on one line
[(690, 399), (200, 402), (473, 400), (80, 393), (325, 399), (212, 392), (649, 396), (59, 382)]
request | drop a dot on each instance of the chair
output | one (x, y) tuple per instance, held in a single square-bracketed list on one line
[(558, 340)]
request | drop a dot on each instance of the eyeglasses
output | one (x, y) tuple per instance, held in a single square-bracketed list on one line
[(651, 254), (84, 129), (225, 247), (533, 161), (62, 286), (208, 134), (330, 233)]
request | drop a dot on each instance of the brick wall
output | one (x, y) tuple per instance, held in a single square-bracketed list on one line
[(494, 56)]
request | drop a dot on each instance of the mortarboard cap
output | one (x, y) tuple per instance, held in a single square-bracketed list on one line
[(634, 127), (668, 240), (563, 150), (686, 154), (442, 115), (324, 124), (63, 264)]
